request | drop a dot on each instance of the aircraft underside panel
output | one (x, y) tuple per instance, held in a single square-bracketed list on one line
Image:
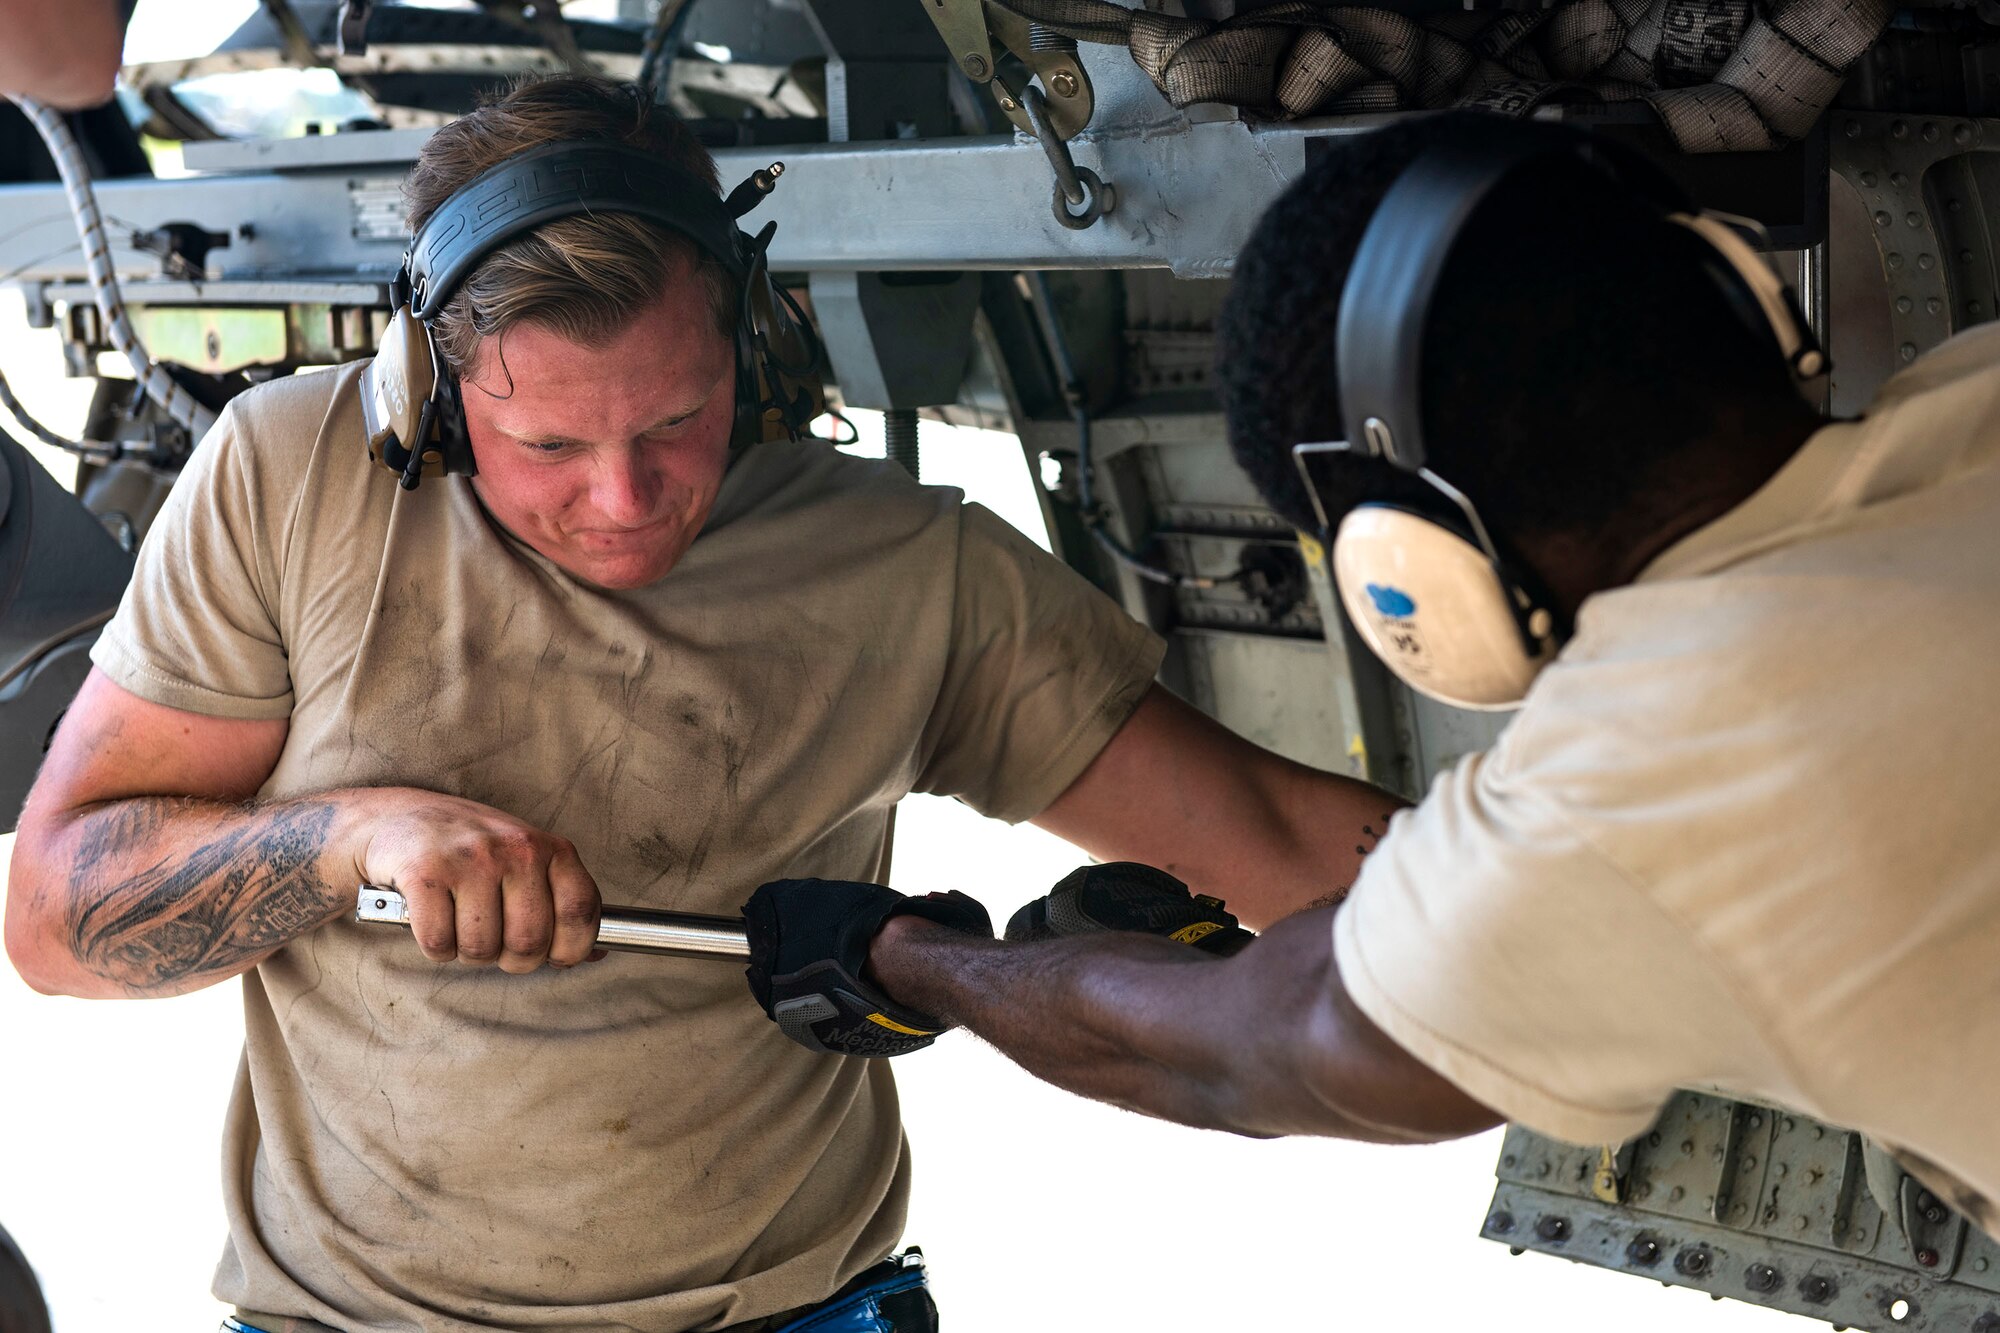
[(1756, 1204)]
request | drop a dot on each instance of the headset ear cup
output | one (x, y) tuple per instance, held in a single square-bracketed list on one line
[(395, 389), (1795, 340), (748, 426), (779, 361), (1437, 611)]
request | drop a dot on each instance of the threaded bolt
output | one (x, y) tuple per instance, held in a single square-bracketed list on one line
[(899, 438)]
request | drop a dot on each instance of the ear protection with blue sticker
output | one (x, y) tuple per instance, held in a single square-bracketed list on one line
[(1435, 597)]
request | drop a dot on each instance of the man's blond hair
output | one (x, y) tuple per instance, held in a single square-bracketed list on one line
[(582, 277)]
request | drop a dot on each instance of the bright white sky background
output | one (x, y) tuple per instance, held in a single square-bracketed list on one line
[(1038, 1211)]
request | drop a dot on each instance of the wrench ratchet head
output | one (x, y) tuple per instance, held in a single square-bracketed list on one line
[(382, 905)]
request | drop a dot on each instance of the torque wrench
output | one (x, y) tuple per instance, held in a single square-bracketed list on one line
[(624, 929)]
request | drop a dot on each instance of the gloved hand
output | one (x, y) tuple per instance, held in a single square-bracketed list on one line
[(808, 949), (1125, 895)]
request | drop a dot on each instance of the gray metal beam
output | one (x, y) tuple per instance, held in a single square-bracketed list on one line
[(393, 150), (1186, 201)]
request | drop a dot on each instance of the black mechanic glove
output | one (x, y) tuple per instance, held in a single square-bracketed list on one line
[(1125, 895), (808, 949)]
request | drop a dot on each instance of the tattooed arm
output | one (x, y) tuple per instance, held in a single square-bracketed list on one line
[(137, 870), (1177, 790), (141, 869)]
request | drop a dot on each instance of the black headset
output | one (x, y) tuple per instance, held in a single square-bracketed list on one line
[(415, 422), (1386, 306)]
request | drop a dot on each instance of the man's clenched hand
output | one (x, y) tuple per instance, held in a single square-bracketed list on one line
[(483, 887), (808, 962)]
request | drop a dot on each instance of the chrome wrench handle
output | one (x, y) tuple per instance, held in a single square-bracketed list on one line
[(624, 929)]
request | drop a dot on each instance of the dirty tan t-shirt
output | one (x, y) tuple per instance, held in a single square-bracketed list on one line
[(1745, 832), (632, 1144)]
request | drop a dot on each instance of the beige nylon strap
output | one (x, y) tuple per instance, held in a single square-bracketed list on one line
[(1723, 75)]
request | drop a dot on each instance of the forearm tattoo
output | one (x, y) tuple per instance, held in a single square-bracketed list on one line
[(205, 912), (1371, 835)]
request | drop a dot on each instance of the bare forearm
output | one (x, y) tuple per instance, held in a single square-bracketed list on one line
[(1301, 847), (1177, 790), (156, 896), (1141, 1022)]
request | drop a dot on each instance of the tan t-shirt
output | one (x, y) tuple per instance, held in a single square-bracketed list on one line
[(1745, 832), (632, 1144)]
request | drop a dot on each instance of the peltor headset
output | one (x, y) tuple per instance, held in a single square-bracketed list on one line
[(410, 402), (1433, 597)]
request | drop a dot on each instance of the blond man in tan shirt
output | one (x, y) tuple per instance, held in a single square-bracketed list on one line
[(616, 657)]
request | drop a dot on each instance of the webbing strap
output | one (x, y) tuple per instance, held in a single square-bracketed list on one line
[(1723, 75)]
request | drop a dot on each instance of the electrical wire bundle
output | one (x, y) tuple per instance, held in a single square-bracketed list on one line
[(160, 386), (95, 451)]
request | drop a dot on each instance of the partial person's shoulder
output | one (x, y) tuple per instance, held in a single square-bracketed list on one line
[(1965, 360), (300, 432), (298, 407), (807, 480)]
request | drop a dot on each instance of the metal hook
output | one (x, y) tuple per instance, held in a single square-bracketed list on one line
[(1074, 185)]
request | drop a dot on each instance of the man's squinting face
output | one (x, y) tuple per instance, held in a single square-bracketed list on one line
[(606, 459)]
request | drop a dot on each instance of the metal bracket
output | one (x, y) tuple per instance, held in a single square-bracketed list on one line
[(353, 25), (970, 30), (1076, 187), (1065, 83), (1936, 1234), (1607, 1182), (962, 24)]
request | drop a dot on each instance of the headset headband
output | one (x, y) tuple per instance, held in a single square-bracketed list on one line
[(557, 180), (1385, 305)]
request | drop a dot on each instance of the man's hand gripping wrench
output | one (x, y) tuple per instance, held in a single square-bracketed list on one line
[(625, 929)]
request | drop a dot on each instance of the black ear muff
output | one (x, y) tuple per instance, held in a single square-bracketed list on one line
[(781, 360), (414, 414)]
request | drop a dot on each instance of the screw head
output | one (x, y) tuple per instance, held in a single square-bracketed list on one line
[(1501, 1222), (976, 66), (1643, 1251), (1553, 1229), (1063, 84), (1007, 104), (1694, 1261), (1762, 1277), (1928, 1258), (1817, 1289)]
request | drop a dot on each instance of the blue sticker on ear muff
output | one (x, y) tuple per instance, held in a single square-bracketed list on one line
[(1392, 602)]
